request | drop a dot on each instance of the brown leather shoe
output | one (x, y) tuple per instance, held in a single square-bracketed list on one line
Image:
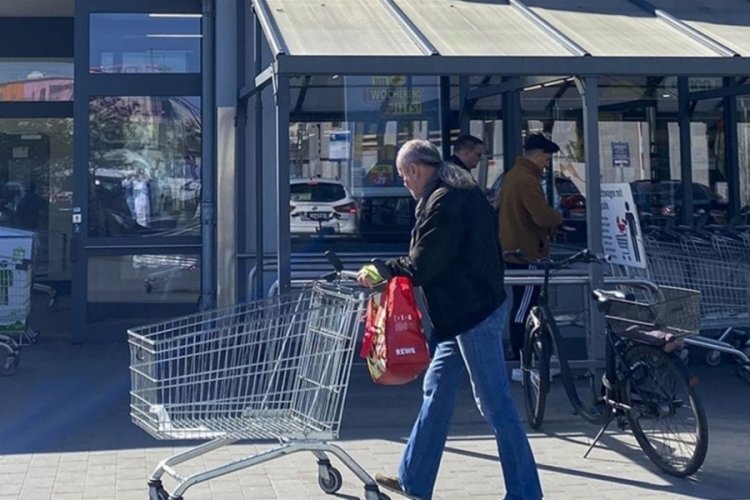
[(391, 483)]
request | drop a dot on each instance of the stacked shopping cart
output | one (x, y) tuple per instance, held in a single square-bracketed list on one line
[(16, 275), (718, 266)]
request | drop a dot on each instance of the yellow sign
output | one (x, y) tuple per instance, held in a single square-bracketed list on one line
[(399, 99)]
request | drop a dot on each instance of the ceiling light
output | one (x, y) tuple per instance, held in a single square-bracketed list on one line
[(173, 36), (192, 16)]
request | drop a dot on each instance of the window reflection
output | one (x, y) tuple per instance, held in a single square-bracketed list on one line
[(355, 155), (36, 80), (36, 159), (743, 135), (145, 166), (145, 43), (639, 145), (144, 279)]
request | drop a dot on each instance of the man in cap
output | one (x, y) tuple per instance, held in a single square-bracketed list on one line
[(526, 223)]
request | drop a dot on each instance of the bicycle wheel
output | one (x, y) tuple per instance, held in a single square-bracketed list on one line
[(666, 414), (535, 364)]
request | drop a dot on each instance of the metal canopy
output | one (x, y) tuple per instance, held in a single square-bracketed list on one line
[(508, 37)]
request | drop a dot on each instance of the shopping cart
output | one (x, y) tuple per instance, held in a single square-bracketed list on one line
[(725, 301), (15, 300), (275, 368)]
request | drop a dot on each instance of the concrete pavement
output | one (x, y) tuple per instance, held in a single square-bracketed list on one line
[(65, 434)]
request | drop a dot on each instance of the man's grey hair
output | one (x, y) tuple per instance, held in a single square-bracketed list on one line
[(425, 153)]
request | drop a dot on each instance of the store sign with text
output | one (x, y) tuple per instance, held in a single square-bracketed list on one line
[(621, 231)]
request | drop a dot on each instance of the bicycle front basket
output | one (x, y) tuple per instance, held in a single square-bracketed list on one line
[(677, 311)]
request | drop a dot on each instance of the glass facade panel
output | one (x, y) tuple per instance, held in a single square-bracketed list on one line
[(144, 166), (148, 285), (145, 43), (639, 145), (27, 80), (36, 167), (352, 154), (144, 279), (743, 136)]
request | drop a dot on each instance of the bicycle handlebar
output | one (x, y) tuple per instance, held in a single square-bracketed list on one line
[(583, 256)]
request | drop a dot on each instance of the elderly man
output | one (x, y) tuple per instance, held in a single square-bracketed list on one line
[(455, 257)]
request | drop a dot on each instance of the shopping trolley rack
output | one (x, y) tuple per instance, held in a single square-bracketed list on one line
[(725, 300), (275, 368)]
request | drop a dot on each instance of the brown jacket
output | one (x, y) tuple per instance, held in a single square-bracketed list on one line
[(526, 220)]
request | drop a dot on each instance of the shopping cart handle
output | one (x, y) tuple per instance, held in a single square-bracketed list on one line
[(350, 275)]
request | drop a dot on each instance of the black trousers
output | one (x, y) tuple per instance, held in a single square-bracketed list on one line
[(524, 298)]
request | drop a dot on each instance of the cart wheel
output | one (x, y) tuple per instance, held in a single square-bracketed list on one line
[(375, 494), (334, 481), (10, 365), (33, 335), (158, 494), (713, 358), (156, 491)]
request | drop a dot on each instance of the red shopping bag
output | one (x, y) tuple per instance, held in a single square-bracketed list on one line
[(394, 344)]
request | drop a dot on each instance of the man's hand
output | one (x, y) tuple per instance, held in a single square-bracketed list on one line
[(369, 276)]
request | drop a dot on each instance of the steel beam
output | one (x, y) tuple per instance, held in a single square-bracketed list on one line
[(590, 92), (284, 240), (411, 29), (511, 65), (686, 160), (685, 28), (548, 28)]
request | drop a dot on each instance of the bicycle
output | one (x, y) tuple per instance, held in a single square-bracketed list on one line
[(644, 387)]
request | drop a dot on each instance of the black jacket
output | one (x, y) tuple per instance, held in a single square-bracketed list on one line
[(455, 257), (457, 161)]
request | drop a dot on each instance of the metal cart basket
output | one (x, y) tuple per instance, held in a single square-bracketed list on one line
[(275, 368)]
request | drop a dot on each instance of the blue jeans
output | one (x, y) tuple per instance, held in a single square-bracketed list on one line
[(480, 352)]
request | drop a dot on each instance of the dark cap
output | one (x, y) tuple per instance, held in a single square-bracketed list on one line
[(538, 141)]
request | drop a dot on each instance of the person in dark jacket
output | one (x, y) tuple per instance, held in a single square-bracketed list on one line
[(467, 152), (456, 258), (525, 223)]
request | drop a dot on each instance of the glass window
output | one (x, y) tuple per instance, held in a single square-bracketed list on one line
[(147, 286), (36, 80), (743, 140), (145, 43), (36, 161), (320, 192), (145, 166), (344, 163)]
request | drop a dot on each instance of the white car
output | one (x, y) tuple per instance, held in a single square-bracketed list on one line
[(321, 206)]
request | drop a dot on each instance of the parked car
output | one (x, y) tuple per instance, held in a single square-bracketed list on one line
[(572, 203), (321, 206), (660, 200)]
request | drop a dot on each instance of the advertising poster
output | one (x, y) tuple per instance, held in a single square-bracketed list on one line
[(621, 231)]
